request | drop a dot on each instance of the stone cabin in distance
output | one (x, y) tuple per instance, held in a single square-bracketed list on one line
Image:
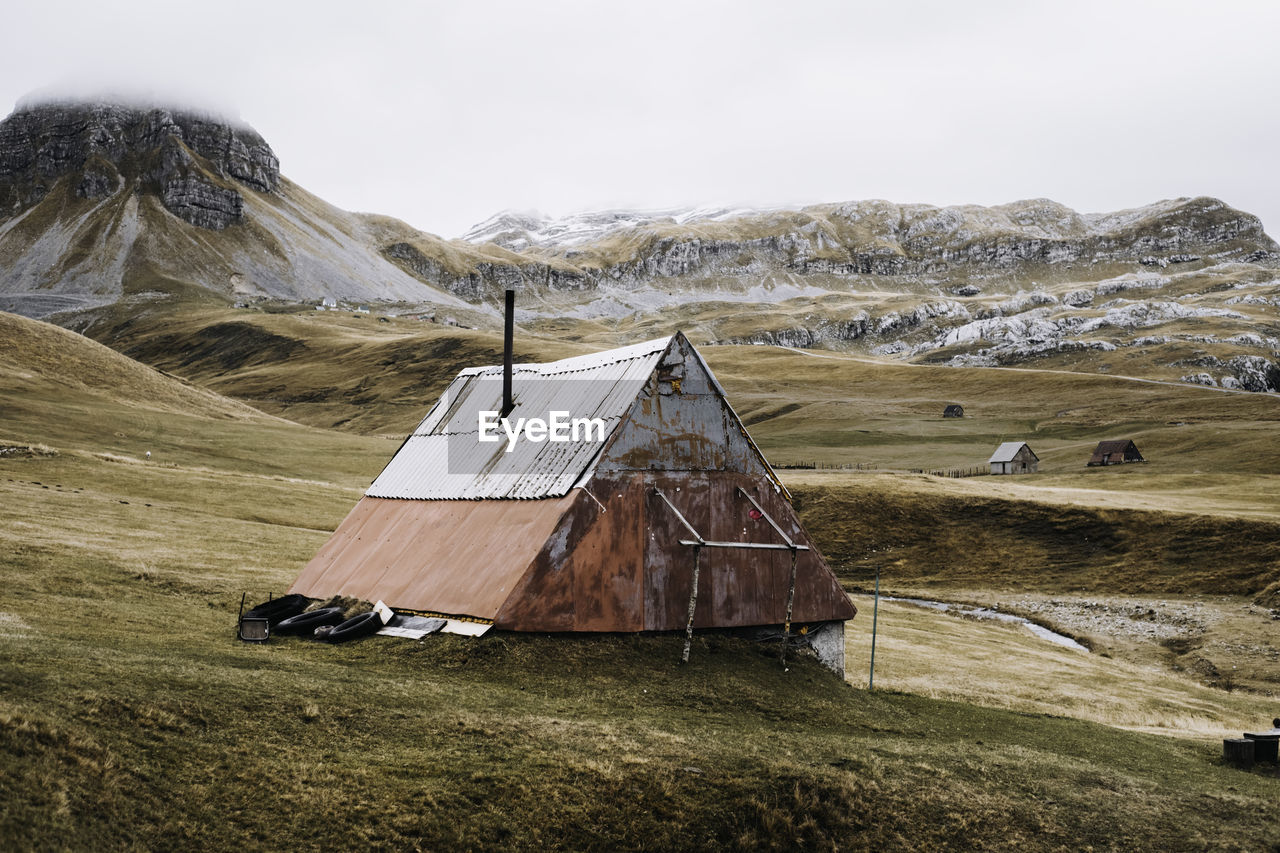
[(1014, 457)]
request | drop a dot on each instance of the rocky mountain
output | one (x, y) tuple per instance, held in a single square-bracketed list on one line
[(1186, 290), (108, 202), (868, 238), (112, 205), (103, 142)]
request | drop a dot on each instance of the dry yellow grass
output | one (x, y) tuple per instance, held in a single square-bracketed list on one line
[(35, 355), (123, 692), (1002, 665), (1231, 495)]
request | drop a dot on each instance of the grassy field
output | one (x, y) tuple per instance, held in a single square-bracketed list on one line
[(848, 411), (351, 372), (131, 717), (1002, 665), (362, 375)]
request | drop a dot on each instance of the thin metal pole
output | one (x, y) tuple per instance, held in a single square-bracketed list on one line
[(698, 540), (693, 603), (791, 597), (875, 615)]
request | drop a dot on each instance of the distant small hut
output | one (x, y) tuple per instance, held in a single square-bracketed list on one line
[(1014, 457), (955, 410), (1115, 452)]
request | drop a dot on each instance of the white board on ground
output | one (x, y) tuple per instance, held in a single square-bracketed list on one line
[(407, 633), (467, 629)]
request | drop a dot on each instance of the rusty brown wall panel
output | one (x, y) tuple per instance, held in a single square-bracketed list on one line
[(382, 544), (458, 557), (819, 596), (736, 587), (608, 574), (624, 570), (563, 565), (542, 599)]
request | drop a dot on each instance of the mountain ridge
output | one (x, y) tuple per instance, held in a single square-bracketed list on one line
[(111, 208), (1037, 218), (192, 159), (867, 238)]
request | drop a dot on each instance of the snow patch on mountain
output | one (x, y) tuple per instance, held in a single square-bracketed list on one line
[(519, 231)]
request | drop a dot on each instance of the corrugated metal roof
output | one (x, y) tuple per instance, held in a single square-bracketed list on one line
[(444, 459), (1006, 451)]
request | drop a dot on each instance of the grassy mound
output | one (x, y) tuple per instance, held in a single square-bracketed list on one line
[(336, 371), (130, 695), (929, 536), (34, 355)]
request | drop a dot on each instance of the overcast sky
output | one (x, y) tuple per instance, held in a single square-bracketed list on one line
[(443, 114)]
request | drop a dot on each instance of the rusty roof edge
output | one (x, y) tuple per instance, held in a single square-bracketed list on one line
[(587, 361)]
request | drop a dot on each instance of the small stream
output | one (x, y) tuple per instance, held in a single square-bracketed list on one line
[(995, 615)]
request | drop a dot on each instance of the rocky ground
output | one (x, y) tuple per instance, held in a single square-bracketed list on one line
[(1138, 619), (1224, 642)]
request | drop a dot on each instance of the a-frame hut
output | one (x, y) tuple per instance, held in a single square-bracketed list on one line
[(594, 534), (1115, 452)]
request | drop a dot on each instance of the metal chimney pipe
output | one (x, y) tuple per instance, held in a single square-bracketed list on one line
[(507, 344)]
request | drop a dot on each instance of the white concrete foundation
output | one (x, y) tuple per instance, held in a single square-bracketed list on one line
[(827, 642)]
